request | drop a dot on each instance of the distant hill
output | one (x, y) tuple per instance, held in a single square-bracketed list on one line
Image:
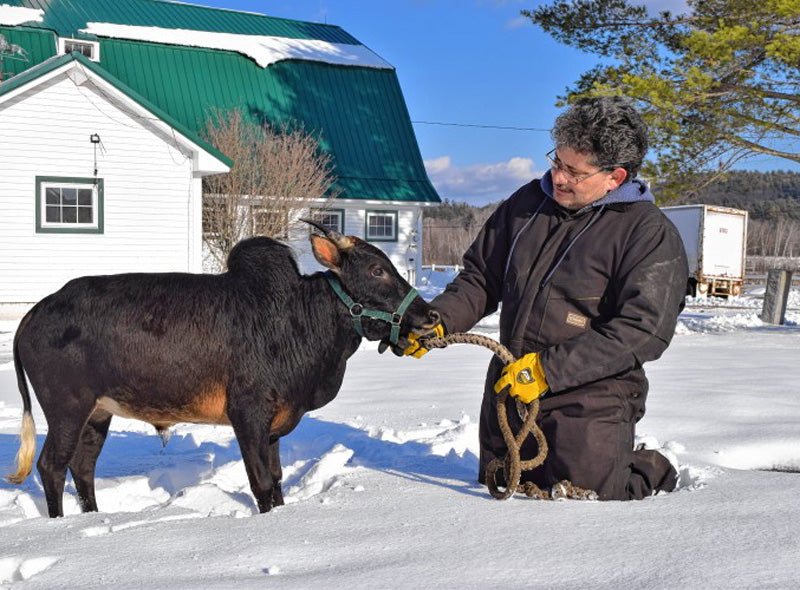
[(766, 195)]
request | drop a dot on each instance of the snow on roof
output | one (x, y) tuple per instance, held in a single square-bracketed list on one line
[(264, 50), (16, 15)]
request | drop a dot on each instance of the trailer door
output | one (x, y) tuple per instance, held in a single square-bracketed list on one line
[(723, 244)]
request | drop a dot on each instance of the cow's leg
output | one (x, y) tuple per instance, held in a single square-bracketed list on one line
[(84, 460), (277, 473), (250, 416), (63, 436)]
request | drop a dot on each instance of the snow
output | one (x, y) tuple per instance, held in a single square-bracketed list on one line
[(17, 15), (381, 493), (264, 50)]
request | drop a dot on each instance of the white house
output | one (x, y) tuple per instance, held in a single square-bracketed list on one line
[(93, 180)]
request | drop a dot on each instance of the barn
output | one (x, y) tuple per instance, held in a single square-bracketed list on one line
[(102, 107)]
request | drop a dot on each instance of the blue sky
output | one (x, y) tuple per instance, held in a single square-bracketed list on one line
[(473, 62)]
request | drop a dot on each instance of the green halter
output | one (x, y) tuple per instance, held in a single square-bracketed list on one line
[(357, 310)]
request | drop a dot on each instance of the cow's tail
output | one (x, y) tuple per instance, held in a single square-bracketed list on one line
[(27, 436)]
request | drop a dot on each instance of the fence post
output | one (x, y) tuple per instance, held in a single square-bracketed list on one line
[(776, 296)]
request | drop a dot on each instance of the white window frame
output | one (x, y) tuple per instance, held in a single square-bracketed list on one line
[(389, 213), (62, 46), (93, 184)]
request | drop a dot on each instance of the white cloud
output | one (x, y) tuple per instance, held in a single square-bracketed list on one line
[(518, 22), (479, 184)]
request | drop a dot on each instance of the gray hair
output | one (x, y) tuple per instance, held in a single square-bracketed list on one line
[(607, 128)]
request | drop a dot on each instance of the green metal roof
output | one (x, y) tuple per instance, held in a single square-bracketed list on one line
[(39, 44), (58, 61), (359, 113)]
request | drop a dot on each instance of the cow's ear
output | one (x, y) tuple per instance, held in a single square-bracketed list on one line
[(326, 252)]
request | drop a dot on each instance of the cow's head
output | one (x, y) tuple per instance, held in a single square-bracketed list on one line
[(369, 278)]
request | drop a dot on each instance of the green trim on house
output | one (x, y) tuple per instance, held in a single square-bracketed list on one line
[(33, 73), (393, 212), (98, 182)]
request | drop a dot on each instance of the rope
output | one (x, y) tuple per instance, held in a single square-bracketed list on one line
[(512, 465)]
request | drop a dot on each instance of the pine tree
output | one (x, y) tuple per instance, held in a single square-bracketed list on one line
[(716, 85)]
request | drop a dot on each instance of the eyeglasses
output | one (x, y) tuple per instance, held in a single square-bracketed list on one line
[(556, 165)]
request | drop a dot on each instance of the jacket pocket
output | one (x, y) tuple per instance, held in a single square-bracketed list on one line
[(570, 308)]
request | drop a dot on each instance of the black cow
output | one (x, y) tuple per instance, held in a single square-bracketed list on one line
[(255, 347)]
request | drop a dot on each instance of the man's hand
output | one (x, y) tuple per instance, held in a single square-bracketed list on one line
[(416, 347), (524, 378)]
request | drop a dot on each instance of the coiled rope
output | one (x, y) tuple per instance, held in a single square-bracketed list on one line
[(512, 465)]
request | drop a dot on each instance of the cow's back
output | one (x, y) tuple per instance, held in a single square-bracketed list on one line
[(164, 343), (134, 323)]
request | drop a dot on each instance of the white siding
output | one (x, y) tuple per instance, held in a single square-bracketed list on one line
[(405, 256), (151, 201)]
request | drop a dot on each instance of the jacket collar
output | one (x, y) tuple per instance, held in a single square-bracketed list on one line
[(632, 191)]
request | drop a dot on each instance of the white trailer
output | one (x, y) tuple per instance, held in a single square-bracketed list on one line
[(715, 239)]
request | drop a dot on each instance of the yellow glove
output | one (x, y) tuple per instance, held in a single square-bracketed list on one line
[(416, 347), (524, 378)]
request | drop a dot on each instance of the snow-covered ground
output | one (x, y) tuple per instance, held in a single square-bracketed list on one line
[(381, 492)]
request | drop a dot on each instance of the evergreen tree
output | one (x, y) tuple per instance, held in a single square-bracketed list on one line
[(716, 85)]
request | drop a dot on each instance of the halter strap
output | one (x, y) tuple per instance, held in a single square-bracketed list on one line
[(357, 310)]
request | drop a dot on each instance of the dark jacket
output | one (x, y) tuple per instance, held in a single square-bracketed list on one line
[(597, 291)]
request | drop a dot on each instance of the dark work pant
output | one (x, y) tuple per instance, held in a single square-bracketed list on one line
[(590, 435)]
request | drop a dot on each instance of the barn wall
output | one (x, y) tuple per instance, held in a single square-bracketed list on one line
[(150, 204)]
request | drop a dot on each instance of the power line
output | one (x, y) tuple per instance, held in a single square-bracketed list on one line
[(508, 128)]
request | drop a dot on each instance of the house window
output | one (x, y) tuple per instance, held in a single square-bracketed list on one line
[(69, 205), (330, 218), (89, 49), (382, 226)]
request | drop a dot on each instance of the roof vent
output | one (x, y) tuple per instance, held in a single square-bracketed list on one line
[(89, 49)]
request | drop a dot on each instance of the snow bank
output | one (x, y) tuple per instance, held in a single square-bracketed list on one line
[(703, 323), (433, 280), (264, 50), (18, 569), (17, 15), (713, 315)]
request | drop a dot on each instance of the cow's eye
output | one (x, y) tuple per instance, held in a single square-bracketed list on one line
[(377, 271)]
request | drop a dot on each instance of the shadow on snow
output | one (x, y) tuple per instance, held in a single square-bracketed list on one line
[(184, 463)]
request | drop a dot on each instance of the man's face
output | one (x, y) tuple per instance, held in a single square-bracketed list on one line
[(576, 182)]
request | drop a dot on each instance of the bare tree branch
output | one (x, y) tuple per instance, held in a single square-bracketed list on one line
[(277, 173)]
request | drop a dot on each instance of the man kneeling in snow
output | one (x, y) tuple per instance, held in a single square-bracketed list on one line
[(591, 277)]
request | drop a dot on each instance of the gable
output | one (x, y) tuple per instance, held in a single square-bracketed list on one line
[(81, 71)]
